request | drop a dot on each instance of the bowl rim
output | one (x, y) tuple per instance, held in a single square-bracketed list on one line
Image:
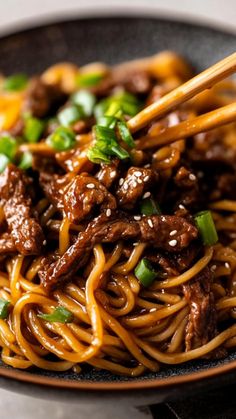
[(148, 383)]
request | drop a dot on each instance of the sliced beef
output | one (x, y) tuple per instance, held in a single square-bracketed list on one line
[(132, 187), (26, 231), (202, 321), (108, 173), (42, 99), (83, 195), (7, 245), (187, 191), (154, 230), (52, 185)]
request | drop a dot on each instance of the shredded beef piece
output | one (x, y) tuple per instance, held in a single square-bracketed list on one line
[(187, 187), (136, 182), (7, 245), (164, 262), (26, 232), (83, 194), (108, 173), (154, 230), (202, 321), (70, 159), (52, 186), (43, 99)]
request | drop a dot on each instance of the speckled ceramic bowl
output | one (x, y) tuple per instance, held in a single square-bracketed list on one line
[(113, 40)]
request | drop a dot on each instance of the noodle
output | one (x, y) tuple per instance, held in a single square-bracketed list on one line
[(138, 285)]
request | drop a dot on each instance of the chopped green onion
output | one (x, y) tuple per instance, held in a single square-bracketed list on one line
[(16, 82), (70, 115), (84, 99), (33, 129), (206, 227), (100, 109), (128, 103), (114, 109), (149, 207), (107, 121), (4, 161), (59, 315), (89, 79), (120, 152), (61, 139), (26, 161), (104, 133), (8, 146), (125, 134), (145, 272), (4, 308), (97, 156)]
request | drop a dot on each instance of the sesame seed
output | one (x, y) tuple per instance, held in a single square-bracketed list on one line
[(146, 178), (152, 310), (121, 181), (150, 223), (137, 217), (173, 232), (134, 184), (173, 243), (44, 242), (192, 176), (113, 174), (146, 195), (135, 244), (138, 174), (181, 206), (147, 166), (126, 186), (90, 185), (213, 267), (139, 181), (227, 265), (108, 212)]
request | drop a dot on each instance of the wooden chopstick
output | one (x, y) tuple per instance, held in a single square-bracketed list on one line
[(202, 123), (186, 91)]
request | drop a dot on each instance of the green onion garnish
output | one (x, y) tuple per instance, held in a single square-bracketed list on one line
[(4, 308), (15, 82), (104, 133), (61, 139), (206, 227), (8, 146), (33, 129), (114, 109), (145, 272), (107, 121), (89, 79), (4, 161), (70, 115), (86, 100), (125, 134), (59, 315), (26, 161), (149, 207), (97, 156)]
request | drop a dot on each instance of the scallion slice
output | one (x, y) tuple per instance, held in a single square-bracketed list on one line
[(8, 146), (84, 99), (70, 115), (149, 207), (107, 121), (206, 227), (4, 161), (61, 139), (104, 133), (125, 134), (4, 308), (97, 156), (26, 161), (16, 82), (145, 272), (88, 79), (33, 129), (59, 315)]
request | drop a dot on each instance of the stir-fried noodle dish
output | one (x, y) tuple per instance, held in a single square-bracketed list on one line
[(118, 233)]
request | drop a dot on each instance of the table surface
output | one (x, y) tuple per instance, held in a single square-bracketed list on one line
[(26, 13)]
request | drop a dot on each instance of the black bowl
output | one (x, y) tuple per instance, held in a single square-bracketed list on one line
[(114, 40)]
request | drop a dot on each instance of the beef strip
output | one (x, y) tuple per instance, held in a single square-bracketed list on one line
[(83, 194), (43, 99), (108, 173), (25, 230), (52, 186), (187, 189), (202, 321), (154, 230), (7, 245), (137, 181)]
